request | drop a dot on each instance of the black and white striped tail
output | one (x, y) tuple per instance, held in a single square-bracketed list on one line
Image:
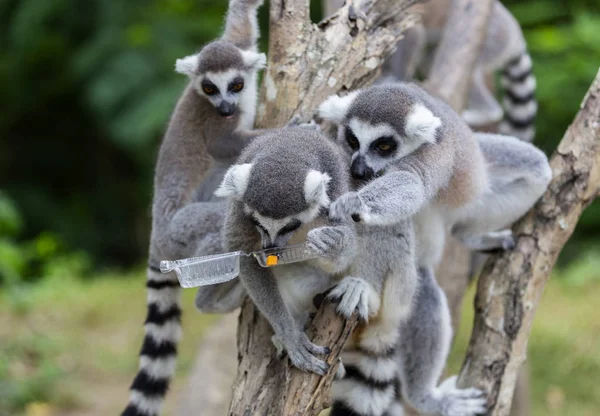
[(520, 106), (159, 350), (368, 386)]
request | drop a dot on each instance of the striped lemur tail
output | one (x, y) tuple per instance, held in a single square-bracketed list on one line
[(159, 350), (520, 106)]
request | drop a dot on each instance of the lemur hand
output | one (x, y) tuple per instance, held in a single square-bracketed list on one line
[(347, 206), (336, 244), (301, 350)]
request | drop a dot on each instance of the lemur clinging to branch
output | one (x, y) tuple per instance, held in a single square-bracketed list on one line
[(212, 121), (504, 49), (419, 160)]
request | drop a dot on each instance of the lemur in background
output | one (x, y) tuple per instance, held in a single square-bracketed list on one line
[(418, 159), (212, 121), (504, 49)]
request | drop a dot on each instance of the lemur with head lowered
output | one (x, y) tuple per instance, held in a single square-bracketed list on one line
[(504, 49), (211, 122), (280, 189), (419, 159)]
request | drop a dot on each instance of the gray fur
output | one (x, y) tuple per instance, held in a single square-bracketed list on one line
[(184, 224), (472, 184), (276, 191)]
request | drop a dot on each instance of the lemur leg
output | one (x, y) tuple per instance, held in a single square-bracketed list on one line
[(519, 174), (368, 387), (422, 351), (482, 108)]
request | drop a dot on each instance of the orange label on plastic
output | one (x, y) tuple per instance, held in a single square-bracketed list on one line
[(272, 260)]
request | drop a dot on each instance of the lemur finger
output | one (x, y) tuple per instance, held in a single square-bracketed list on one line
[(316, 349), (363, 307)]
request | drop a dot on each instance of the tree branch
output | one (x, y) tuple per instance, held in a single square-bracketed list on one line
[(512, 283), (308, 63)]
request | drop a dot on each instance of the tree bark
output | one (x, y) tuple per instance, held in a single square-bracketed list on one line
[(308, 63), (512, 283)]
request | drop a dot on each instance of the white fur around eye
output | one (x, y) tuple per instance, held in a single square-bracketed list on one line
[(421, 124), (315, 188), (187, 66), (235, 181), (335, 108)]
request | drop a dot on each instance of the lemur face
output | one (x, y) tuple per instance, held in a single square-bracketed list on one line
[(220, 73), (380, 125), (279, 201), (373, 148), (222, 89)]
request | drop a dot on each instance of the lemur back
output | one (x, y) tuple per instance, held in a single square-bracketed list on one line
[(210, 122)]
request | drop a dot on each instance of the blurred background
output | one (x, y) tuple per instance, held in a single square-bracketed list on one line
[(86, 90)]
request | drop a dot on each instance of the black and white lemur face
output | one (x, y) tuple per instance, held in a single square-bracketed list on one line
[(220, 73), (378, 127), (279, 203)]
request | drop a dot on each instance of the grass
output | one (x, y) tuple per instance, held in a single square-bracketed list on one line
[(69, 347)]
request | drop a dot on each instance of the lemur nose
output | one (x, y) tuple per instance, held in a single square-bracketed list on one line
[(360, 170), (226, 109)]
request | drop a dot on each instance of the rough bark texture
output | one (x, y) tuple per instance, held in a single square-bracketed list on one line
[(512, 283), (307, 63)]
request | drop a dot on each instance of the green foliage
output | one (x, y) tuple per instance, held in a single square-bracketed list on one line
[(42, 256), (88, 87)]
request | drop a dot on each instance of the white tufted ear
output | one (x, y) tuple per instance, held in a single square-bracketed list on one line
[(235, 181), (315, 188), (421, 124), (335, 108), (254, 60), (187, 66)]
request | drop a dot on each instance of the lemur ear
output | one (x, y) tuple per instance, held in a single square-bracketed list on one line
[(421, 124), (335, 108), (254, 60), (187, 66), (315, 188), (235, 182)]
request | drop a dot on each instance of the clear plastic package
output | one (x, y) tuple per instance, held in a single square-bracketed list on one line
[(219, 268)]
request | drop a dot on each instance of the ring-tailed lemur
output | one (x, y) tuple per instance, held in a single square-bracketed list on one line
[(420, 160), (504, 49), (211, 122)]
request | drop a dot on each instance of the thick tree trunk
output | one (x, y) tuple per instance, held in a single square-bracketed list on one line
[(512, 283), (308, 63)]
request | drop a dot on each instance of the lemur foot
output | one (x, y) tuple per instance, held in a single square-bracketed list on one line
[(300, 351), (353, 294), (295, 122), (478, 118), (491, 242), (461, 402)]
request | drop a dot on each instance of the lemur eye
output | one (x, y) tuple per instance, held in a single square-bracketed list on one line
[(352, 140), (385, 146), (209, 88), (236, 85), (292, 226)]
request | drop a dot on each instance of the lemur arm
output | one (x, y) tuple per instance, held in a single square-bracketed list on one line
[(394, 197), (260, 283), (230, 146)]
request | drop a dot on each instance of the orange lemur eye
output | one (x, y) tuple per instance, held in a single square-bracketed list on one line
[(237, 87), (208, 90), (384, 147)]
